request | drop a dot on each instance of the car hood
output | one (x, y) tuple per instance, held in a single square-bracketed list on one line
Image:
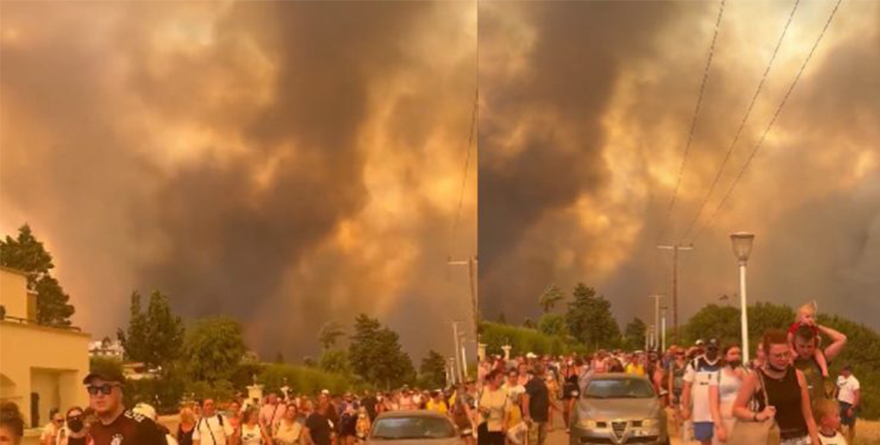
[(609, 409), (449, 441)]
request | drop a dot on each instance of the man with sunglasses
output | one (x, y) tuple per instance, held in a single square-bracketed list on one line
[(117, 425)]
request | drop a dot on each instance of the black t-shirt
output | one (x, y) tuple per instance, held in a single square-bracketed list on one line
[(370, 404), (570, 389), (319, 429), (128, 429), (539, 399)]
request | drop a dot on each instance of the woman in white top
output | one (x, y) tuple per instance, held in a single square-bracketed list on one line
[(289, 430), (251, 432), (723, 391), (492, 406)]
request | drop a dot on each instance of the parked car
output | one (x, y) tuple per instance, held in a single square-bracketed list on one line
[(413, 427), (618, 409)]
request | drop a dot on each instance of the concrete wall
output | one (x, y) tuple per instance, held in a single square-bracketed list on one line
[(49, 361)]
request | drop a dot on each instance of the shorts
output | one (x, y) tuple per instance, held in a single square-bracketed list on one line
[(703, 431), (805, 440), (845, 419)]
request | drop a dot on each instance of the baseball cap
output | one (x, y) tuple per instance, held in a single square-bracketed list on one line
[(531, 355), (105, 370), (699, 342)]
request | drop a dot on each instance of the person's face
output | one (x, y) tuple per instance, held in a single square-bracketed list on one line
[(290, 412), (273, 399), (208, 407), (58, 420), (733, 355), (807, 317), (779, 356), (512, 377), (104, 397), (804, 348), (7, 437), (846, 373), (831, 421), (235, 407)]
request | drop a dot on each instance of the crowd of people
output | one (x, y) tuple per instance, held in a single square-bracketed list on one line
[(277, 419), (706, 388)]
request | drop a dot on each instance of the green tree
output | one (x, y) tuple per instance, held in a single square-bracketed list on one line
[(154, 337), (433, 370), (336, 361), (635, 333), (550, 297), (214, 347), (376, 356), (529, 323), (589, 318), (329, 333), (553, 324), (27, 254)]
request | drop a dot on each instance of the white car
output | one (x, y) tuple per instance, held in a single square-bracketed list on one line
[(413, 427)]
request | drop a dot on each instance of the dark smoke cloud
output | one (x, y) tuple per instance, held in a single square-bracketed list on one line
[(287, 163), (615, 85)]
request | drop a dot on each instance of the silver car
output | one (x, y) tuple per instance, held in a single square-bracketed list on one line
[(413, 427), (618, 409)]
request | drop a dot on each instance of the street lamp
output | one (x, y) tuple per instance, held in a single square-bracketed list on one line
[(742, 247)]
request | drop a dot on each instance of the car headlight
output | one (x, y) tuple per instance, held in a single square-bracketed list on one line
[(587, 424)]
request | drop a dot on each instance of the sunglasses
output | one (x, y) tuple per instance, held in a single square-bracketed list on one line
[(103, 389)]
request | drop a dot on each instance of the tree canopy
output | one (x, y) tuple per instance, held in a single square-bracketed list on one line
[(27, 254)]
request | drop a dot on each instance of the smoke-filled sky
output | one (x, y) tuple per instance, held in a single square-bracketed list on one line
[(287, 163), (585, 113)]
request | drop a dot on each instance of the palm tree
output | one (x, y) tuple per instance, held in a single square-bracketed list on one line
[(329, 333), (550, 297)]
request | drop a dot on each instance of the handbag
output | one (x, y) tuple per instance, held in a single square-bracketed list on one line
[(762, 432)]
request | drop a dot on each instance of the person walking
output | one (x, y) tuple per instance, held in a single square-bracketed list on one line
[(788, 397), (695, 394), (213, 428), (849, 396), (492, 406), (187, 426), (723, 391), (535, 406), (115, 424), (288, 430)]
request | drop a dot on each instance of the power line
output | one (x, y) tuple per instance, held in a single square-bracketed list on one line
[(742, 124), (690, 138), (467, 162), (769, 125)]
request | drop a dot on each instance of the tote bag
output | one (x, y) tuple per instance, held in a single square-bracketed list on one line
[(764, 432)]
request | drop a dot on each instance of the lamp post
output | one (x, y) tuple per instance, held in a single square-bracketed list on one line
[(742, 247)]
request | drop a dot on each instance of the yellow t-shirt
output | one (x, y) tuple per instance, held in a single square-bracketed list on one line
[(633, 368), (440, 406)]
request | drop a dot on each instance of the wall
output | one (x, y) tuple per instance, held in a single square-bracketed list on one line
[(62, 353), (13, 292)]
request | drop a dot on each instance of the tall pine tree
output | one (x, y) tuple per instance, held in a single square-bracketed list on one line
[(27, 254), (589, 318)]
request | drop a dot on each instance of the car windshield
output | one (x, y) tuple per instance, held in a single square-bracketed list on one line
[(619, 389), (399, 428)]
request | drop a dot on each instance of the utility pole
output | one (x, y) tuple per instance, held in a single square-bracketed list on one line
[(456, 348), (675, 248), (471, 263), (663, 328), (656, 298)]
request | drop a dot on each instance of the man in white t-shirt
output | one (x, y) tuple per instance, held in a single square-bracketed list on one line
[(849, 396), (695, 394), (51, 430), (212, 428), (272, 412)]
